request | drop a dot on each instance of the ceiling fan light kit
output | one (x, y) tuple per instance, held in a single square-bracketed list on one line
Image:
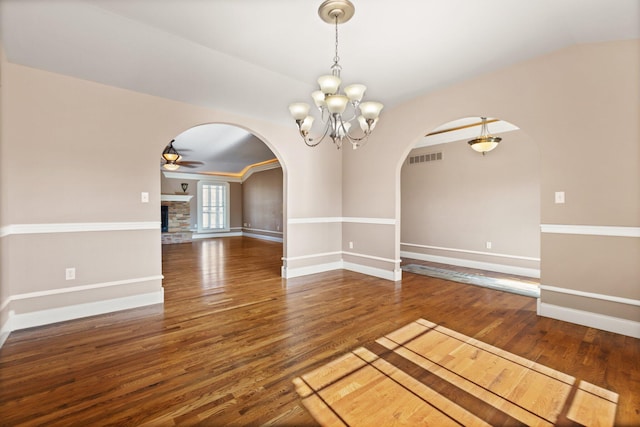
[(330, 102)]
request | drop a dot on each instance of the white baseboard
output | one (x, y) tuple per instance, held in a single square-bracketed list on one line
[(197, 236), (5, 330), (263, 237), (593, 320), (376, 272), (61, 314), (394, 276), (500, 268), (289, 273)]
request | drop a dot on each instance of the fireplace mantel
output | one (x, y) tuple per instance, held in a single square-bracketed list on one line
[(175, 197)]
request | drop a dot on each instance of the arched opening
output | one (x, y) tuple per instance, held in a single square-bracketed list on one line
[(225, 181), (461, 209)]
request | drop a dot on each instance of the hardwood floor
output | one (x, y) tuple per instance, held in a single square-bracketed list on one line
[(232, 335)]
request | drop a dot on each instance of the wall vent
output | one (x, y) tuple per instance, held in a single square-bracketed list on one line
[(422, 158)]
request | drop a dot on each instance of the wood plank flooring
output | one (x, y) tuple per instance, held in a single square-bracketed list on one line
[(232, 335)]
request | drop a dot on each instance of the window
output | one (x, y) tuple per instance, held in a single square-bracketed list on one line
[(213, 206)]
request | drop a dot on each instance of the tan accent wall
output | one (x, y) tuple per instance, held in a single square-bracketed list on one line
[(235, 205), (262, 200), (579, 105), (465, 200)]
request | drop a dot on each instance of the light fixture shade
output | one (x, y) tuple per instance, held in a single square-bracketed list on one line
[(299, 110), (371, 110), (170, 157), (485, 142), (171, 166), (483, 145), (306, 124), (355, 92), (170, 154), (318, 98), (337, 103), (365, 126), (329, 84)]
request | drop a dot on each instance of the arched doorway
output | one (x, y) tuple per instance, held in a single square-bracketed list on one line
[(226, 182), (462, 208)]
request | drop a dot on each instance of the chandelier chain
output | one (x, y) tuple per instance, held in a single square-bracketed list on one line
[(336, 58)]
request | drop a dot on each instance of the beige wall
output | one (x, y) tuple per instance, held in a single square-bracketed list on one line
[(262, 201), (4, 283), (465, 200), (580, 106), (68, 201)]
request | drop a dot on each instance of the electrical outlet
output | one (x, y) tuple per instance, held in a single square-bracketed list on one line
[(144, 197), (488, 245), (70, 273), (350, 245), (559, 197)]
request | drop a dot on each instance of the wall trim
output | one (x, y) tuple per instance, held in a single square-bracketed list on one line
[(339, 219), (297, 258), (77, 227), (377, 258), (197, 236), (467, 251), (58, 291), (263, 231), (264, 237), (394, 275), (289, 273), (501, 268), (5, 330), (76, 311), (591, 230), (593, 320), (603, 297)]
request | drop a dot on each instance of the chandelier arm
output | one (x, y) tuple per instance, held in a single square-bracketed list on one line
[(309, 141)]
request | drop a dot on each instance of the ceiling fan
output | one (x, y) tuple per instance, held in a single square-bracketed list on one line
[(173, 160)]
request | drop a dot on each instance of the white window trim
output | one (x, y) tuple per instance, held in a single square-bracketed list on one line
[(226, 227)]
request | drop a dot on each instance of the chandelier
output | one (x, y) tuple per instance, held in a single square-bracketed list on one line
[(332, 104), (485, 142)]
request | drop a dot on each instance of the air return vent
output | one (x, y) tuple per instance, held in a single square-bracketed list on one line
[(422, 158)]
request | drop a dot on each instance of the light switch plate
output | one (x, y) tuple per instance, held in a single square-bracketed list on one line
[(144, 197)]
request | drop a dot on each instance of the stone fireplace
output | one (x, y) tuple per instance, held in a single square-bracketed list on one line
[(178, 219)]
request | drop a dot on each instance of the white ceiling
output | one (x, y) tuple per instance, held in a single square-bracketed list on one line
[(254, 57)]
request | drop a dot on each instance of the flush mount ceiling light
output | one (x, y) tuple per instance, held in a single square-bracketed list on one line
[(333, 104), (485, 142)]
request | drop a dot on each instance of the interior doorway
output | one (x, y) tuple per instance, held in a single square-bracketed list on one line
[(468, 212), (221, 180)]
